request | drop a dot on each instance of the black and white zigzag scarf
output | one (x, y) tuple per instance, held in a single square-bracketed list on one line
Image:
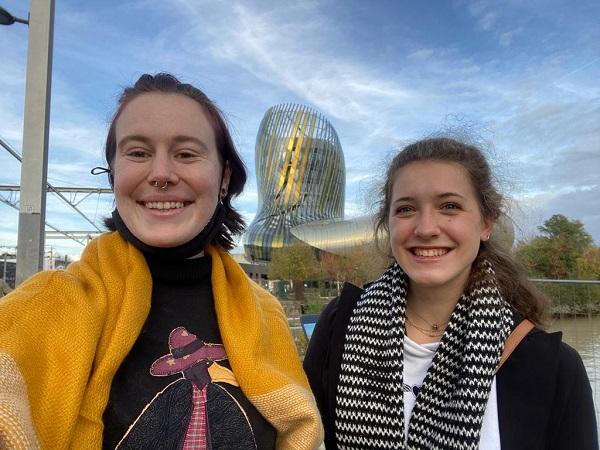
[(449, 409)]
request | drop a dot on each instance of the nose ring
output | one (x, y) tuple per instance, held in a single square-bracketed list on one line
[(163, 187)]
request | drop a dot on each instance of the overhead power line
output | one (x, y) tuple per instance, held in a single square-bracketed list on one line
[(14, 204), (56, 191)]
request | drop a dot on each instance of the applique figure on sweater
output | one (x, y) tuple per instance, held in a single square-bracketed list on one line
[(193, 412)]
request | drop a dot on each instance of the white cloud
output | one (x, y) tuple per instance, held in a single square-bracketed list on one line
[(506, 38), (539, 105), (575, 203), (291, 56), (488, 20), (424, 53)]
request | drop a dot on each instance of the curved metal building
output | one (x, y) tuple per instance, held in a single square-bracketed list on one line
[(337, 236), (300, 175), (342, 236)]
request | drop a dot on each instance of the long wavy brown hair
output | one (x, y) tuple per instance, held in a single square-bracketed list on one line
[(515, 287)]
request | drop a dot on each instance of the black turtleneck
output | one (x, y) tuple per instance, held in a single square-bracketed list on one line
[(181, 297), (191, 248)]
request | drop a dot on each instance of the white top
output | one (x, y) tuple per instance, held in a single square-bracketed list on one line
[(417, 359)]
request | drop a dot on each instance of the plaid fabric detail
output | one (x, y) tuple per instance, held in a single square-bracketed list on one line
[(196, 437)]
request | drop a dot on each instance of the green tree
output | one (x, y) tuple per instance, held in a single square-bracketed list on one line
[(571, 231), (358, 266), (588, 265), (297, 263), (554, 254)]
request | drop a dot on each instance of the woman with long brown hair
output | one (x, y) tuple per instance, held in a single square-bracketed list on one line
[(421, 358)]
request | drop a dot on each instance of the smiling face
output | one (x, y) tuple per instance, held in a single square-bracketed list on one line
[(435, 224), (166, 138)]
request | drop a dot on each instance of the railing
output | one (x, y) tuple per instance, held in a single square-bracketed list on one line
[(576, 312), (575, 307), (571, 297)]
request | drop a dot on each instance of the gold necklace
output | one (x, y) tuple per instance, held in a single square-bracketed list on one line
[(434, 326), (436, 333)]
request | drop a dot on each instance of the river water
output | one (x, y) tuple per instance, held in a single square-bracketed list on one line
[(583, 333)]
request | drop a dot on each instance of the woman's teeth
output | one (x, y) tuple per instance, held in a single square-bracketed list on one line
[(430, 251), (163, 205)]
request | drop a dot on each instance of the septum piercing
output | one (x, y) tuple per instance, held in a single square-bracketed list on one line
[(163, 187)]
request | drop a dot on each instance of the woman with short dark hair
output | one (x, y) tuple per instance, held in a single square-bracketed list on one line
[(156, 338)]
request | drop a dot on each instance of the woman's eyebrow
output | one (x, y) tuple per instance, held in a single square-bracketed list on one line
[(133, 137), (403, 199), (146, 140), (183, 138), (442, 196), (451, 194)]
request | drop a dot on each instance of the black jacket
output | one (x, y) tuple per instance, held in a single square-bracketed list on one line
[(544, 395)]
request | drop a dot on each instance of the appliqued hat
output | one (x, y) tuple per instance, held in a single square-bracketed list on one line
[(186, 351)]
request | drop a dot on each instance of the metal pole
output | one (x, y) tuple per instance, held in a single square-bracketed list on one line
[(32, 211)]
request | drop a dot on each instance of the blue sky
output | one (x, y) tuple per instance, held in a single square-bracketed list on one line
[(519, 76)]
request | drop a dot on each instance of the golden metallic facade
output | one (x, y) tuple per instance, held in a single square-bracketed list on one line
[(300, 174)]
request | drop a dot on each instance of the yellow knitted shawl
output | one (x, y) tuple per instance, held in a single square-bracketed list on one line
[(64, 333)]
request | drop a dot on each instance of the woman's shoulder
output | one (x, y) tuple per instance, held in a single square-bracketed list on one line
[(545, 357), (100, 269), (52, 297), (41, 287), (558, 373), (569, 358), (262, 295), (339, 310), (551, 344), (570, 367), (333, 321)]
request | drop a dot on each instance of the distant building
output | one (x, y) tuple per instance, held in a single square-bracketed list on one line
[(301, 182), (300, 175), (342, 236), (8, 265), (257, 270)]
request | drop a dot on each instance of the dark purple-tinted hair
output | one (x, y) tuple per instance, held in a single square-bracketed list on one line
[(166, 83)]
